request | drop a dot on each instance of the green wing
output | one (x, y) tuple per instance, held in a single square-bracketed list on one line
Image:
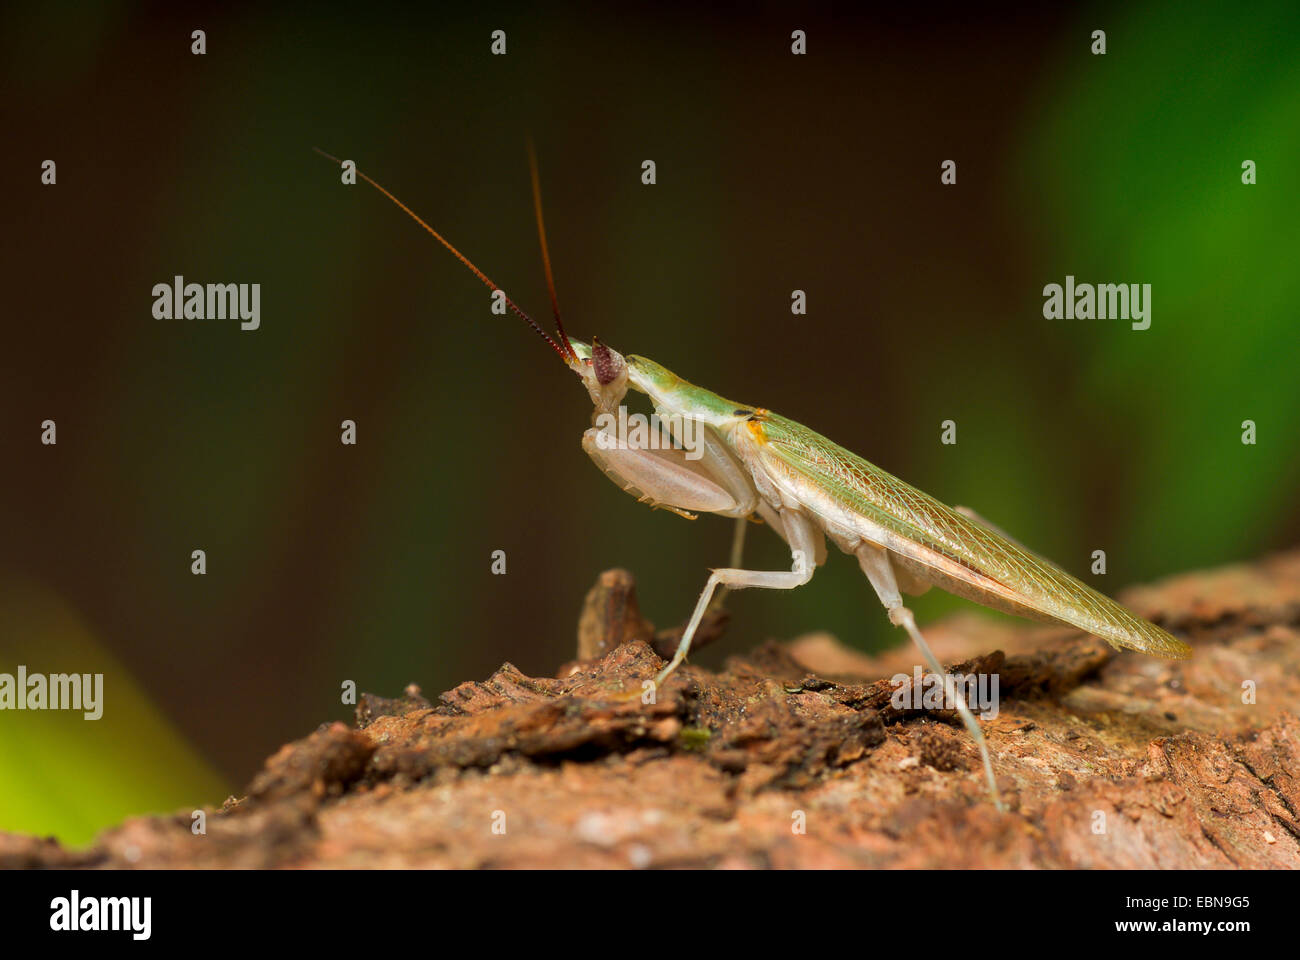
[(915, 518)]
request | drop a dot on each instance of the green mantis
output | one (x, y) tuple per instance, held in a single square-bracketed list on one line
[(747, 462)]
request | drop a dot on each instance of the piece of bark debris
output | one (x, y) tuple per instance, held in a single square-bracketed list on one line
[(324, 763), (611, 616), (370, 707)]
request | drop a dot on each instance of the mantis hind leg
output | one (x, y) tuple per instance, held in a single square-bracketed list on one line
[(876, 565), (738, 541)]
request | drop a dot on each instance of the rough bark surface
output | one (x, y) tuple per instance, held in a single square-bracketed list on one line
[(797, 756)]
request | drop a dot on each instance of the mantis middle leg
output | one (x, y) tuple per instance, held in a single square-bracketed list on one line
[(802, 538)]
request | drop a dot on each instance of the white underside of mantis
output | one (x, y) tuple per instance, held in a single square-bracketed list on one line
[(743, 483)]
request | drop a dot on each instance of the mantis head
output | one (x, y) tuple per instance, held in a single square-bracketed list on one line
[(603, 372)]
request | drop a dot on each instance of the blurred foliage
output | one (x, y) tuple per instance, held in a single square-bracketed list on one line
[(70, 777), (1151, 144)]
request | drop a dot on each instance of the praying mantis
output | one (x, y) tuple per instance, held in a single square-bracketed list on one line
[(750, 462)]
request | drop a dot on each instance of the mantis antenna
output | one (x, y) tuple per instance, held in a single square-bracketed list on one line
[(546, 255), (566, 355)]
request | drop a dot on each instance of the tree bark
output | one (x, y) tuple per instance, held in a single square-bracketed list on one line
[(798, 755)]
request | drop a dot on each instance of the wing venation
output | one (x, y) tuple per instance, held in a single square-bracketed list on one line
[(922, 527)]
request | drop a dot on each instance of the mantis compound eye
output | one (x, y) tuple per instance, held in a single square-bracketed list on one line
[(607, 364), (606, 379)]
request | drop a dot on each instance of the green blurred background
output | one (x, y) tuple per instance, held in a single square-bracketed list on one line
[(371, 563)]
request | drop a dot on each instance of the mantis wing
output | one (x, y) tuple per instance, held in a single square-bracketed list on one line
[(959, 553)]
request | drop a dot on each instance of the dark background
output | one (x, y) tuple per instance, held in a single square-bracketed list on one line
[(371, 563)]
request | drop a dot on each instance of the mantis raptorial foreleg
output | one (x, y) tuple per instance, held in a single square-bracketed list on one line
[(709, 480), (876, 565), (660, 477), (802, 537)]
